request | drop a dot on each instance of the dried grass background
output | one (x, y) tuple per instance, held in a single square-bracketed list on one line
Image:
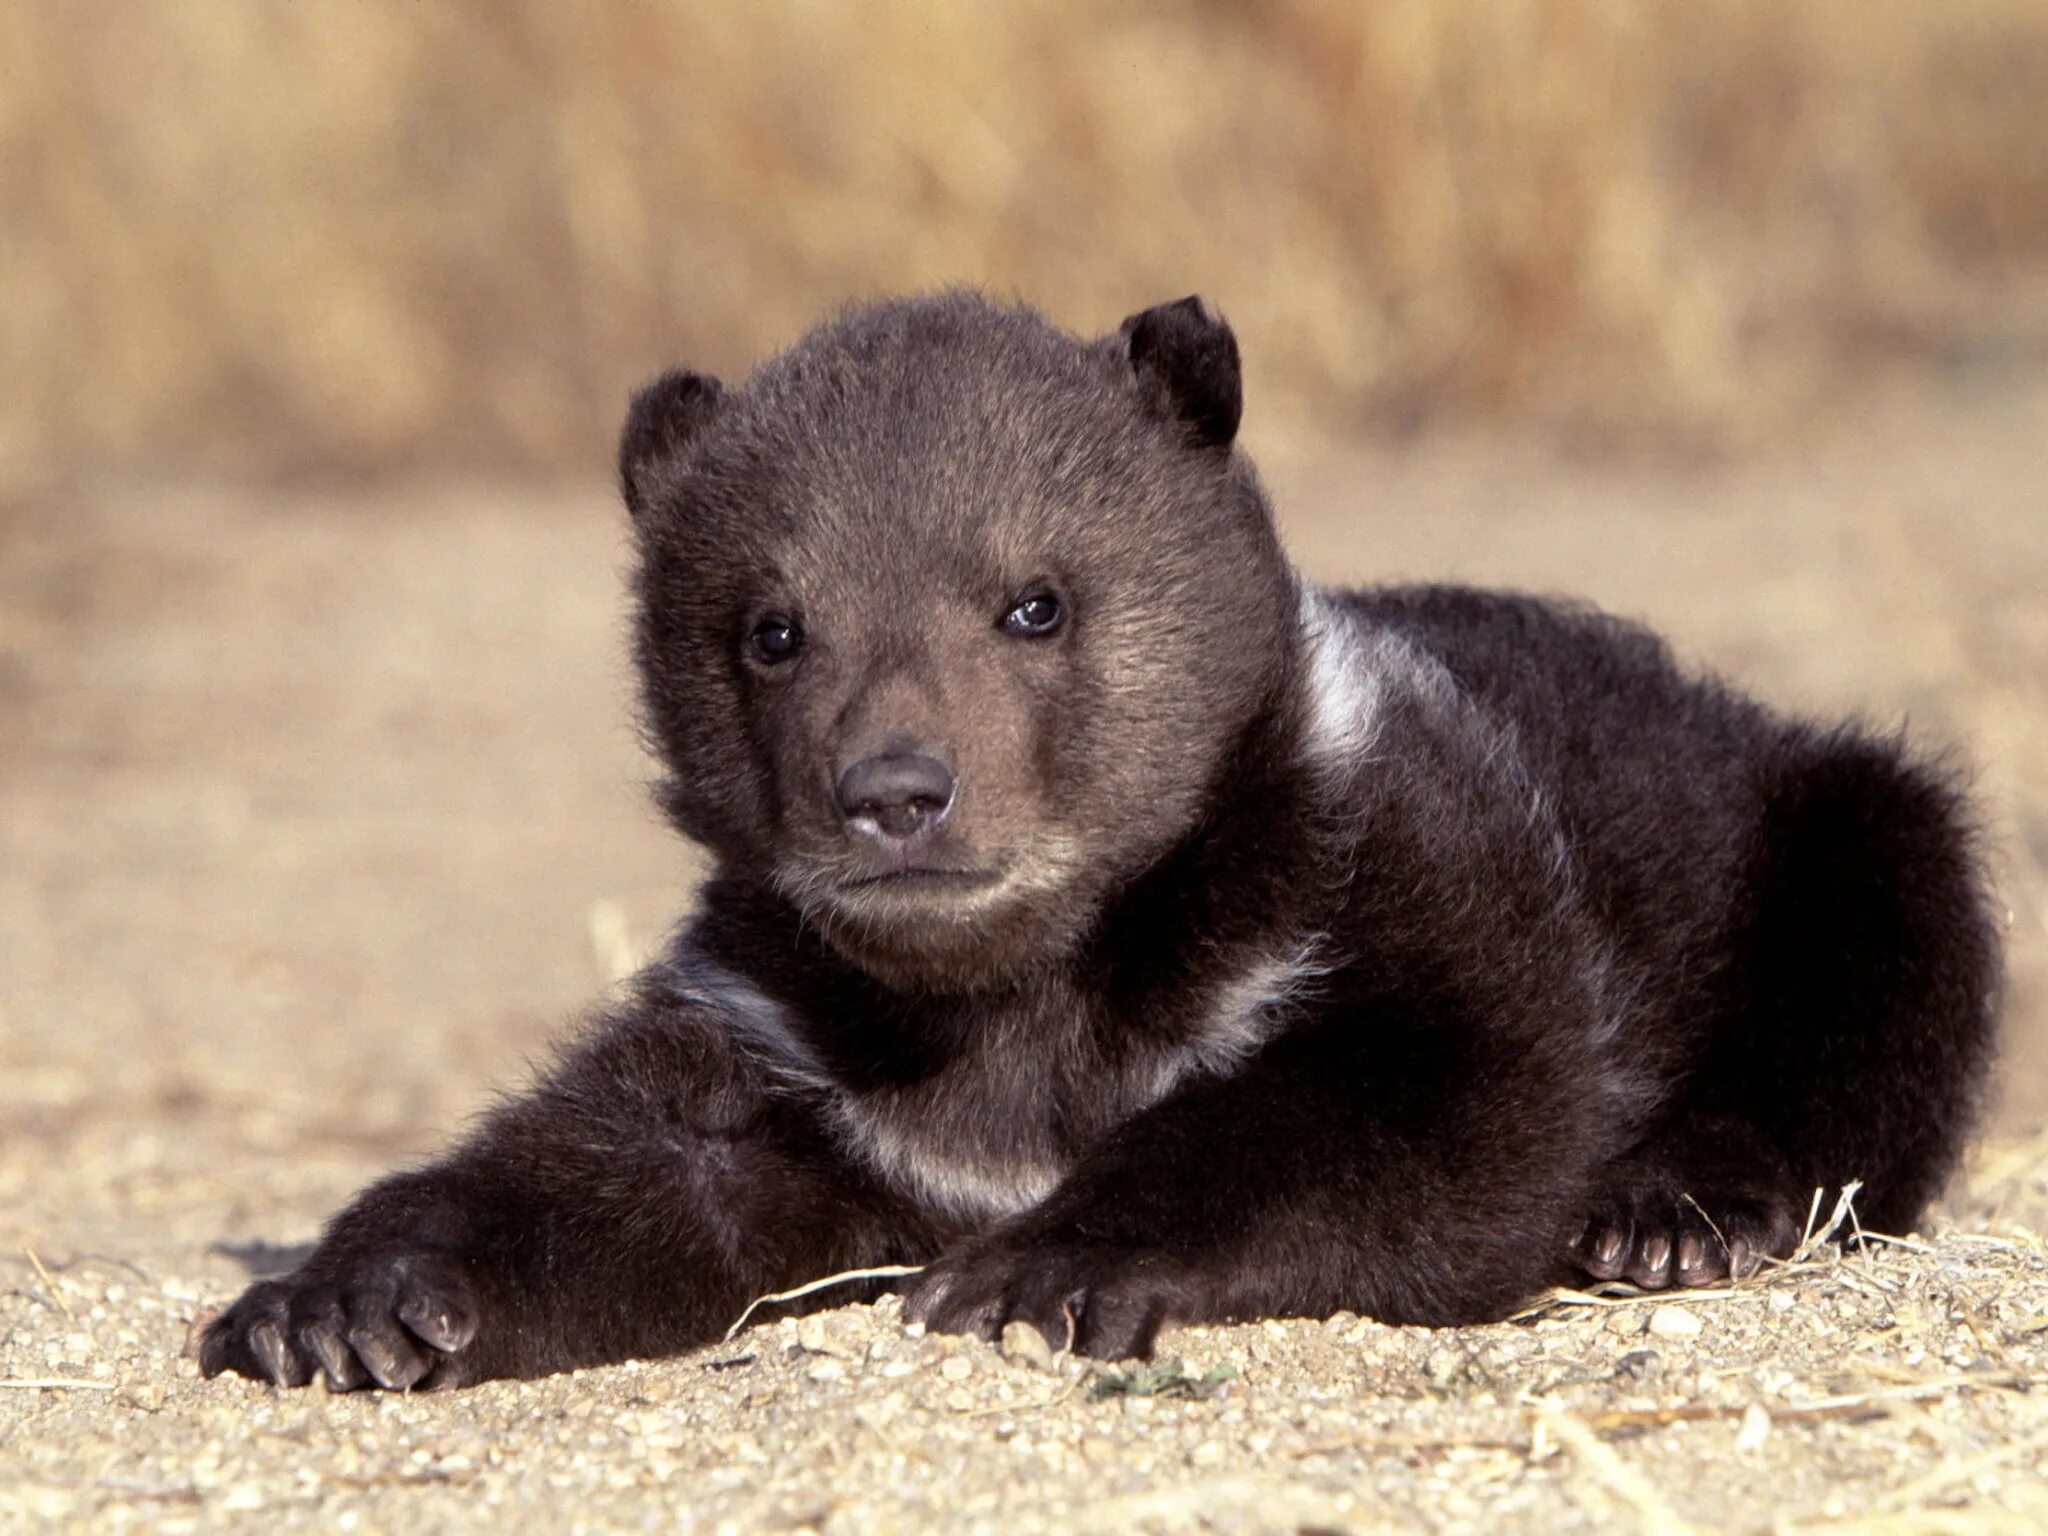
[(351, 237)]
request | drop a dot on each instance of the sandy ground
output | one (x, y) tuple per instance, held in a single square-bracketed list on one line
[(321, 812)]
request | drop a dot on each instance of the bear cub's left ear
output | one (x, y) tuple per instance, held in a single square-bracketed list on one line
[(661, 422), (1187, 353)]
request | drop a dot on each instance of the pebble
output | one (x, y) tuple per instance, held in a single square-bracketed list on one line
[(739, 1447), (882, 1411), (149, 1396), (1640, 1364), (957, 1367), (1023, 1344), (1443, 1364), (1755, 1430), (1674, 1323), (1100, 1450), (835, 1334)]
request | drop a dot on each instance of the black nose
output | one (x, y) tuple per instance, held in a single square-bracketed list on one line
[(896, 794)]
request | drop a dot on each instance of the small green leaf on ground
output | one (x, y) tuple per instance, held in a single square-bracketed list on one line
[(1162, 1378)]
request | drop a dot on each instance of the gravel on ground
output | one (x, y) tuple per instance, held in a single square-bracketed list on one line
[(321, 812)]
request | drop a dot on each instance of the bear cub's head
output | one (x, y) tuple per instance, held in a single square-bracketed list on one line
[(949, 622)]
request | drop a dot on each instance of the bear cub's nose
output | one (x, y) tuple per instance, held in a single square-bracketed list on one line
[(896, 794)]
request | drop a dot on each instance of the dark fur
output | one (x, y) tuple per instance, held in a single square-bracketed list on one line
[(1401, 950)]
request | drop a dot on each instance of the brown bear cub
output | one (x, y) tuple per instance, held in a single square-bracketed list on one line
[(1131, 933)]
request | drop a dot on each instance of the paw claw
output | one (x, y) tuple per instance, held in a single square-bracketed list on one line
[(338, 1363), (1695, 1263), (279, 1361), (1742, 1262), (387, 1357), (1603, 1252), (438, 1323), (1652, 1267)]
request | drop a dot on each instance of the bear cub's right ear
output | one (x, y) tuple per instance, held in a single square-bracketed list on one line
[(661, 422)]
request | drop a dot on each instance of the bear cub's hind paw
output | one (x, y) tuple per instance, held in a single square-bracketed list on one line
[(1657, 1240), (395, 1320)]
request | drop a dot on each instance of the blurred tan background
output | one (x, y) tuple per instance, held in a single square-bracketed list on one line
[(319, 791), (338, 238)]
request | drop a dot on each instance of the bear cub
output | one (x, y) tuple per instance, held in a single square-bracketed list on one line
[(1131, 933)]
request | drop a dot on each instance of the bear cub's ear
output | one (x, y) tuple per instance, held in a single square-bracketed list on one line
[(1186, 352), (660, 423)]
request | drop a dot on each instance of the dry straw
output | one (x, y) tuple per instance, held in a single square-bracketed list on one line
[(345, 236)]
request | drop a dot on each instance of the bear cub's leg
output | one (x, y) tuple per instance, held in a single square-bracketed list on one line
[(1860, 1027), (631, 1205)]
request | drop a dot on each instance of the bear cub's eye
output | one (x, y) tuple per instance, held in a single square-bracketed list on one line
[(775, 639), (1038, 613)]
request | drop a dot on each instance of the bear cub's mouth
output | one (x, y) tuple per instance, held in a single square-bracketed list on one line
[(921, 876)]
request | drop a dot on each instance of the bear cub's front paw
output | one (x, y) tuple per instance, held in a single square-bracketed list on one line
[(1095, 1299), (398, 1319)]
